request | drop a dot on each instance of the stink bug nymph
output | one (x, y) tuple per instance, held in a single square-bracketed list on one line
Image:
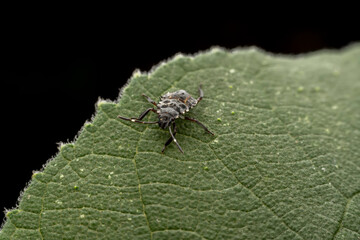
[(171, 106)]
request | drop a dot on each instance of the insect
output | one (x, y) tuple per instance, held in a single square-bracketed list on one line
[(171, 106)]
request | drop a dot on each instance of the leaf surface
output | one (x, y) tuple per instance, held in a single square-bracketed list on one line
[(284, 162)]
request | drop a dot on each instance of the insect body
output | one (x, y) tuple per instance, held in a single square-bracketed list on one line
[(171, 106)]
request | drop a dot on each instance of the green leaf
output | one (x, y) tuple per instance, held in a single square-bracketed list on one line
[(284, 162)]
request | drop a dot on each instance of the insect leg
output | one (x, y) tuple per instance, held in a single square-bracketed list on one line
[(173, 138), (150, 100), (145, 113), (202, 125), (169, 140), (142, 115), (136, 120), (201, 94)]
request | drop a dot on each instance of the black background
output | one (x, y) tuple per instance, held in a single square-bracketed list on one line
[(56, 69)]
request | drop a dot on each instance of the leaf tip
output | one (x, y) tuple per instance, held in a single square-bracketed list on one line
[(89, 126), (178, 56), (136, 73), (100, 103), (65, 146), (35, 174), (12, 213), (216, 49)]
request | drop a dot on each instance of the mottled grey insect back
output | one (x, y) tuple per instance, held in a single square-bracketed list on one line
[(181, 101), (171, 106)]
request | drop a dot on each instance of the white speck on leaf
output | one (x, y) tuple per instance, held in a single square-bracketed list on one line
[(336, 72), (306, 118)]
